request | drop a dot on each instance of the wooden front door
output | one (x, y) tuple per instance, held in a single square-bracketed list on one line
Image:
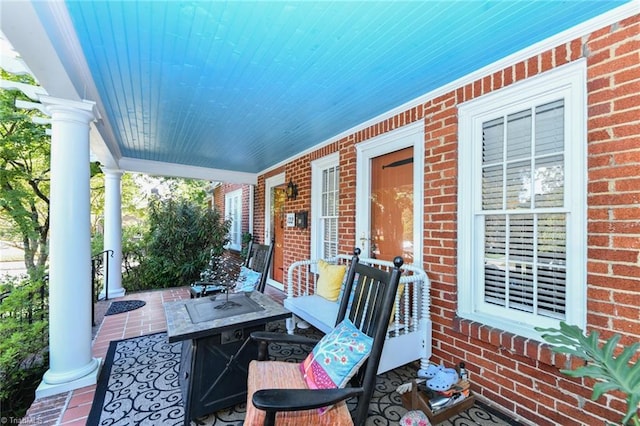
[(277, 232), (391, 230)]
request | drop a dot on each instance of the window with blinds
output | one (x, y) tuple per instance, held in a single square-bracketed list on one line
[(329, 212), (523, 210), (522, 197)]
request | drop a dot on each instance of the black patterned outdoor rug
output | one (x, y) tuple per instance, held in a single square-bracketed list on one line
[(139, 385), (124, 306)]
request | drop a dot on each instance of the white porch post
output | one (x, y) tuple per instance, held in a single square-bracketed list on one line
[(113, 233), (71, 363)]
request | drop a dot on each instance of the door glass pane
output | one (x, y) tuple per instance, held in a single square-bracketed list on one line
[(392, 206)]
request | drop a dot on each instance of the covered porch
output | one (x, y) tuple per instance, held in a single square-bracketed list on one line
[(435, 98), (73, 407)]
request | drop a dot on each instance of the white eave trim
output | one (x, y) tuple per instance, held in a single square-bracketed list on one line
[(159, 168)]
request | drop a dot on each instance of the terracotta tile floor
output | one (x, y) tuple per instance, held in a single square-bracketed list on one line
[(72, 408)]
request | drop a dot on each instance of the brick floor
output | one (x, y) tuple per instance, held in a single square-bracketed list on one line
[(72, 408)]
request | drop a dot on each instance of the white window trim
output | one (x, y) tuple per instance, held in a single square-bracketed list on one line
[(234, 245), (317, 167), (568, 81)]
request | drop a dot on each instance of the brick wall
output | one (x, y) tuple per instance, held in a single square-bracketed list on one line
[(218, 198), (518, 374)]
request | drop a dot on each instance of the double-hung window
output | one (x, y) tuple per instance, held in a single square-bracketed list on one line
[(233, 211), (522, 204), (324, 208)]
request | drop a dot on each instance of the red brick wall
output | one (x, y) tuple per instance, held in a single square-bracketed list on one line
[(519, 374), (218, 198)]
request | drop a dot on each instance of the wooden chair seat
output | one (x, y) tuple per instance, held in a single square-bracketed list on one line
[(280, 375)]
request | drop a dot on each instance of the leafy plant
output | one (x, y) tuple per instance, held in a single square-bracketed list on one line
[(612, 372), (181, 238), (25, 151), (245, 240), (23, 342)]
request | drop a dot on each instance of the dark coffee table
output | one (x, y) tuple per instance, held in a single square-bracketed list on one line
[(216, 349)]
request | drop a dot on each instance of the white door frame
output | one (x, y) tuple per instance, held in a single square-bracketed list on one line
[(269, 184), (411, 135)]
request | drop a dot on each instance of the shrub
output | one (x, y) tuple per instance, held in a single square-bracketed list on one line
[(178, 244), (23, 342)]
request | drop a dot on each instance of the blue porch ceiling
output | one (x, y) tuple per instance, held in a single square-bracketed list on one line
[(245, 85)]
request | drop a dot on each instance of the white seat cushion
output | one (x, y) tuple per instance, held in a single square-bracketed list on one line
[(316, 310)]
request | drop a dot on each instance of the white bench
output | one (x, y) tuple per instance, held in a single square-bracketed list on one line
[(409, 333)]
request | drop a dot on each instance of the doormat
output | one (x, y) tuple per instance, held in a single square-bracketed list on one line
[(124, 306)]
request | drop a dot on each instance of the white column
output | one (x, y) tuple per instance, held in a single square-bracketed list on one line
[(113, 233), (71, 363)]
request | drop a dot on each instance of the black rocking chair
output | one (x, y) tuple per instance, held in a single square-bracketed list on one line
[(271, 401)]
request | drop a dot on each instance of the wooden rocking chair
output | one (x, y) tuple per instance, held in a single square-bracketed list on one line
[(280, 392)]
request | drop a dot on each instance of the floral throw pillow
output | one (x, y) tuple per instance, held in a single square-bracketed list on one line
[(336, 357)]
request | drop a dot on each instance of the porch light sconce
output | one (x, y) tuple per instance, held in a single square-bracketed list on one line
[(292, 190)]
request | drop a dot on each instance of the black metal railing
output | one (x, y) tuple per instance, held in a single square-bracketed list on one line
[(99, 269)]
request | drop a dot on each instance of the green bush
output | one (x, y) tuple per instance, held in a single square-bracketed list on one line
[(178, 244), (23, 342)]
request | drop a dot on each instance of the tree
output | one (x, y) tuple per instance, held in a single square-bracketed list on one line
[(136, 192), (132, 197), (25, 152), (181, 238)]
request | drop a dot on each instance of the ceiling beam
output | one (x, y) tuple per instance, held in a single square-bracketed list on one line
[(158, 168)]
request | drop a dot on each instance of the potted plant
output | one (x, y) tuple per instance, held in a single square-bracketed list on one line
[(611, 372)]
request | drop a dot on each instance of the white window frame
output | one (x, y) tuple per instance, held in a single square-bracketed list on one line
[(234, 199), (567, 82), (317, 169)]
